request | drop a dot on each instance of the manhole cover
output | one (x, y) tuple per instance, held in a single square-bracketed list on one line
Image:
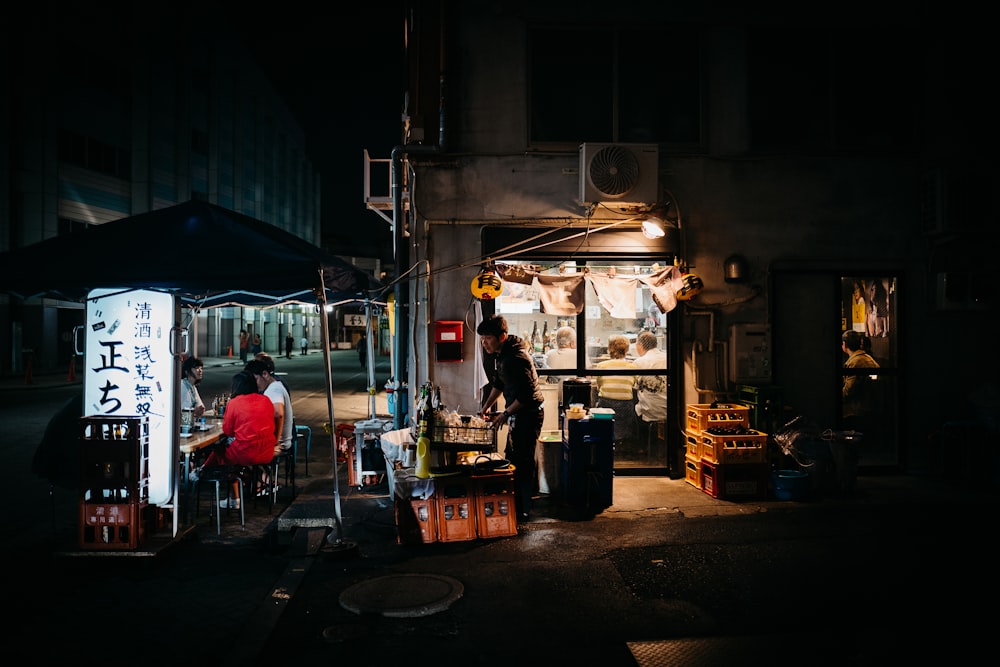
[(402, 595)]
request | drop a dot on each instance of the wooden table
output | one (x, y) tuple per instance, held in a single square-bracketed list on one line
[(199, 439)]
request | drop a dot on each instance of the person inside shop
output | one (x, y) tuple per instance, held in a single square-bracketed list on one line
[(617, 392), (563, 355), (859, 391), (650, 390), (510, 371), (192, 373), (249, 428)]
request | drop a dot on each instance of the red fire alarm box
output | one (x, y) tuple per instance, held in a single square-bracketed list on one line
[(448, 340)]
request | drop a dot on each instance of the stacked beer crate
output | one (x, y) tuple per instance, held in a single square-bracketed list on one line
[(461, 507), (114, 482), (725, 458)]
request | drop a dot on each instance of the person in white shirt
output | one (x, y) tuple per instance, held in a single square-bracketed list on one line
[(192, 371), (263, 371), (563, 355), (651, 390)]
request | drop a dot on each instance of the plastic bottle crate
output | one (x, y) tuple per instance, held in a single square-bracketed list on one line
[(742, 481), (738, 448), (692, 442), (114, 455), (456, 510), (701, 417), (416, 520), (692, 471), (114, 526), (496, 514)]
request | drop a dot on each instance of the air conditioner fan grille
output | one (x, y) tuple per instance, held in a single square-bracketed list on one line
[(614, 171)]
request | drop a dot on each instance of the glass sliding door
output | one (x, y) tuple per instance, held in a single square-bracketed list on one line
[(601, 344), (869, 375)]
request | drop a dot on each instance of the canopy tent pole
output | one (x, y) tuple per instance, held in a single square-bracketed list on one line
[(336, 539)]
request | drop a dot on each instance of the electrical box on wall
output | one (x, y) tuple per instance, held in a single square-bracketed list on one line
[(750, 353), (447, 340)]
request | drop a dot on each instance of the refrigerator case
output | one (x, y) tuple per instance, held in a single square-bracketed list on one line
[(587, 473)]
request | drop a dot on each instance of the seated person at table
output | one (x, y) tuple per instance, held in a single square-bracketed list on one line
[(249, 425), (262, 369), (563, 355), (192, 372), (618, 391), (650, 390)]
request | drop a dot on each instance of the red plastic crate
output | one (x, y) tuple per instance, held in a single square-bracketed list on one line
[(741, 481), (113, 526)]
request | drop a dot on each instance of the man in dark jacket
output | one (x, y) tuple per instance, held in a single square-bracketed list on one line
[(511, 372)]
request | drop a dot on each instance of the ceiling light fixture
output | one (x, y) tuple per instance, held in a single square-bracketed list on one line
[(652, 229)]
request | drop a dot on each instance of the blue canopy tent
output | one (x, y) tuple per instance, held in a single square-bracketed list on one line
[(240, 261)]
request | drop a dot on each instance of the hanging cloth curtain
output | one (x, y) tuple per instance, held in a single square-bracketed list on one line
[(664, 285), (616, 294), (561, 295)]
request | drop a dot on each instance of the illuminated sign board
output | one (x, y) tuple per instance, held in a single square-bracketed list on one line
[(130, 371)]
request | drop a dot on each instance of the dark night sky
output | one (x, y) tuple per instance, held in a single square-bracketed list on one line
[(343, 79)]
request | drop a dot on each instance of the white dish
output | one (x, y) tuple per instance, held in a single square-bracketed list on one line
[(186, 435)]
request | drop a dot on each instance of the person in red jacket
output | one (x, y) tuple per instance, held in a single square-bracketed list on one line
[(249, 425)]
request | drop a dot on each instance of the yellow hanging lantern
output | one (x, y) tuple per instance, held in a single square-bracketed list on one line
[(691, 286), (487, 286)]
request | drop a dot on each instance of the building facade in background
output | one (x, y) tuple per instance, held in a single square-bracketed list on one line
[(108, 114)]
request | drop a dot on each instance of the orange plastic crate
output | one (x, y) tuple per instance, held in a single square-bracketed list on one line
[(701, 417), (692, 471), (496, 514), (692, 441), (416, 520), (456, 510), (743, 448)]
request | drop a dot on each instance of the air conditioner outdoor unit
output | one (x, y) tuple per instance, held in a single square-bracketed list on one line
[(619, 175)]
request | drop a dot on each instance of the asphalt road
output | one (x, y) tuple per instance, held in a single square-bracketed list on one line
[(901, 570)]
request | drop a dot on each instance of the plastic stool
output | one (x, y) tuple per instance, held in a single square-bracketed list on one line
[(258, 472), (217, 475), (288, 458), (304, 430)]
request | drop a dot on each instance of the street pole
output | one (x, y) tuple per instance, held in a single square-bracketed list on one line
[(336, 539)]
